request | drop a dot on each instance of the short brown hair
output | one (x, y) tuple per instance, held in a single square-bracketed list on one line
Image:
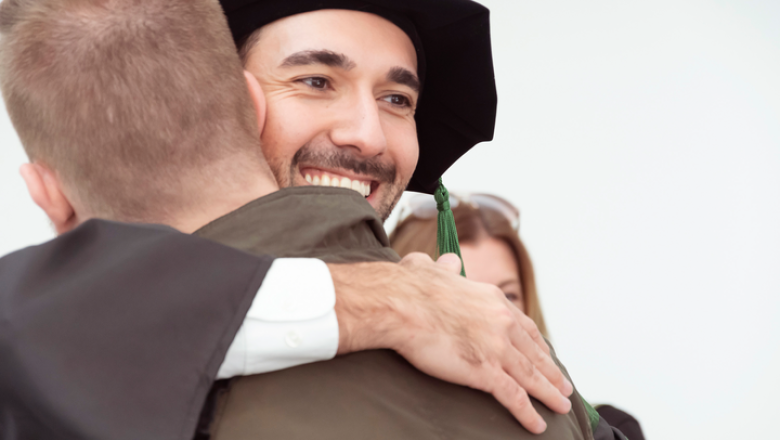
[(416, 234), (129, 101)]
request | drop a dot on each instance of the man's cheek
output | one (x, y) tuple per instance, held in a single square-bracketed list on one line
[(279, 162), (279, 143), (271, 153)]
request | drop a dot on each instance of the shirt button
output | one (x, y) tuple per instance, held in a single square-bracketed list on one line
[(293, 339)]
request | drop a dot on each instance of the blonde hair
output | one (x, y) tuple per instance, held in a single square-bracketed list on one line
[(133, 103), (416, 234)]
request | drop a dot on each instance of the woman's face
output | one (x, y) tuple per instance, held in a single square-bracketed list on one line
[(490, 260)]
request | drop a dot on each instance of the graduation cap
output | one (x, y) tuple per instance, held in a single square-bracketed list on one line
[(457, 106)]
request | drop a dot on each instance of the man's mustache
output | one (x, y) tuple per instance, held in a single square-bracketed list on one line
[(340, 159)]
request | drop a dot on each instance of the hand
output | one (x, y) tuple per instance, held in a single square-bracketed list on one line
[(454, 329)]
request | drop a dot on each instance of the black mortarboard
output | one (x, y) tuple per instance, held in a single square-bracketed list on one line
[(457, 107)]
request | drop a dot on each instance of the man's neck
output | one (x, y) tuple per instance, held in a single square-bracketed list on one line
[(218, 203)]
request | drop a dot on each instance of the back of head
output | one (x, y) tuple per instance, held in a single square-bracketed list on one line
[(137, 105)]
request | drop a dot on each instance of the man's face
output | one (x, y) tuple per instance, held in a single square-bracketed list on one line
[(341, 90)]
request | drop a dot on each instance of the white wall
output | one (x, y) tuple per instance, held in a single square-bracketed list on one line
[(642, 142), (21, 223)]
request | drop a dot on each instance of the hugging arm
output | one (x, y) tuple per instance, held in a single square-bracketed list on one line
[(451, 328), (446, 326)]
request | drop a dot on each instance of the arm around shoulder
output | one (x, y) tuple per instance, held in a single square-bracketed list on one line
[(454, 329)]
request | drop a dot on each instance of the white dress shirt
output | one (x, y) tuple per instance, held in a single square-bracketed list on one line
[(291, 321)]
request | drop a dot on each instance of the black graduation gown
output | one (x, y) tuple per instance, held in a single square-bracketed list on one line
[(117, 331)]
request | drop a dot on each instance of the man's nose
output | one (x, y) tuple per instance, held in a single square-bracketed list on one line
[(359, 127)]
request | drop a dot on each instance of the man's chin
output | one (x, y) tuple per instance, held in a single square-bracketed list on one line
[(384, 207)]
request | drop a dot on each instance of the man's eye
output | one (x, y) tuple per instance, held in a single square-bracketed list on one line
[(316, 82), (398, 100)]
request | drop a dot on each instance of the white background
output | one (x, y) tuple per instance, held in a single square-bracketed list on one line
[(641, 141)]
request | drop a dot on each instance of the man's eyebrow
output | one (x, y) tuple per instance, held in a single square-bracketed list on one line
[(326, 57), (405, 77)]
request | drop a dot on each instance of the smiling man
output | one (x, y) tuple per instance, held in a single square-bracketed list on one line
[(137, 111), (350, 101), (407, 88), (341, 106)]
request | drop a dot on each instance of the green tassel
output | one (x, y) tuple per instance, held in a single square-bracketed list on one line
[(593, 415), (447, 234)]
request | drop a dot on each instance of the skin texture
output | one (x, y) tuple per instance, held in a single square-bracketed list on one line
[(447, 326), (490, 260), (463, 332), (352, 110)]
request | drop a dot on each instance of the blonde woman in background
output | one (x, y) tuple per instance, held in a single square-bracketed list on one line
[(491, 248), (492, 253)]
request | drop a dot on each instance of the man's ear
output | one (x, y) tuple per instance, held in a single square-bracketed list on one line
[(46, 191), (258, 98)]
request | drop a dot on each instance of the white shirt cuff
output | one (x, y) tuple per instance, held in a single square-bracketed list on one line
[(291, 321)]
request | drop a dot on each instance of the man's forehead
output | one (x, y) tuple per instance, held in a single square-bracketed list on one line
[(358, 36)]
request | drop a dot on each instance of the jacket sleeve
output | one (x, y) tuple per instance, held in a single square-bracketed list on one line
[(605, 432), (116, 331)]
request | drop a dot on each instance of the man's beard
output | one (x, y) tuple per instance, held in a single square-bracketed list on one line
[(385, 174)]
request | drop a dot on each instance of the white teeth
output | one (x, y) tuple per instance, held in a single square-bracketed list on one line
[(363, 189)]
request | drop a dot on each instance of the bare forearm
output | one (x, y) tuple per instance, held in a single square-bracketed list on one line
[(451, 328), (369, 299)]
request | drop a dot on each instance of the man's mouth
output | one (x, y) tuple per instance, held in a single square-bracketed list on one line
[(317, 177)]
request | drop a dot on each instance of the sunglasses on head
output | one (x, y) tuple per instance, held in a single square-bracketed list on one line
[(424, 206)]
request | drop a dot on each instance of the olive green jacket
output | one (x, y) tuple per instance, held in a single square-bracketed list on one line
[(373, 394)]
